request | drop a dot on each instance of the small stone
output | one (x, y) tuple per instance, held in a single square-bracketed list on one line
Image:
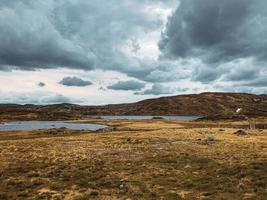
[(211, 138), (240, 133)]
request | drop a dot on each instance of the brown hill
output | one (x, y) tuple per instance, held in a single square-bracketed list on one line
[(185, 105)]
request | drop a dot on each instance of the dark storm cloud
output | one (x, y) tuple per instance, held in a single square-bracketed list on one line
[(74, 34), (243, 74), (74, 81), (30, 40), (127, 85), (206, 74), (217, 31), (202, 41), (80, 34)]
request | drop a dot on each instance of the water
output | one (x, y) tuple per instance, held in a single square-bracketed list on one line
[(136, 117), (35, 125)]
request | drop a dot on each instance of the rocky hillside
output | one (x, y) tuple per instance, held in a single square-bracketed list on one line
[(196, 104)]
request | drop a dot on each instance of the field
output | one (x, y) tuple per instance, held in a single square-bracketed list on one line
[(137, 160)]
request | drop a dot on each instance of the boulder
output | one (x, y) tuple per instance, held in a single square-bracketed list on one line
[(240, 133)]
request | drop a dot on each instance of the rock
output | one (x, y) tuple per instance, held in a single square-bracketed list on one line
[(240, 133), (221, 130), (104, 130), (57, 131), (210, 138), (123, 188), (128, 140), (158, 118)]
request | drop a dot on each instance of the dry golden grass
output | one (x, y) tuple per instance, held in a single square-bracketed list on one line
[(138, 160)]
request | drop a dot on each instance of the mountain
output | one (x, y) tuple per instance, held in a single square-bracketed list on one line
[(203, 104)]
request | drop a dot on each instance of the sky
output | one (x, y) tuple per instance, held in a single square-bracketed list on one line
[(104, 52)]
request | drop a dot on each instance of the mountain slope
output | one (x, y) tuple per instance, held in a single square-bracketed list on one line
[(185, 105), (196, 104)]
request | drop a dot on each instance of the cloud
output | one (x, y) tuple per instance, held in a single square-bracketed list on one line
[(261, 82), (160, 71), (160, 89), (205, 42), (34, 41), (85, 35), (127, 85), (242, 74), (217, 30), (206, 74), (157, 89), (135, 46), (218, 33), (182, 89), (74, 34), (74, 81), (41, 84), (36, 98), (56, 99)]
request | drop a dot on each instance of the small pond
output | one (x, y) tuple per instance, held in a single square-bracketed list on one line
[(35, 125), (136, 117)]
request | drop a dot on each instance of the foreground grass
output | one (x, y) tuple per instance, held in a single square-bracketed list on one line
[(139, 160)]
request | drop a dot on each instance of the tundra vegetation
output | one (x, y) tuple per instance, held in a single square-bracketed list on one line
[(152, 159)]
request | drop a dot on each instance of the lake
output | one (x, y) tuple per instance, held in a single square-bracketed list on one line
[(35, 125), (137, 117)]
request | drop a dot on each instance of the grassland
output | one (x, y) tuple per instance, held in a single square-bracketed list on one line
[(137, 160)]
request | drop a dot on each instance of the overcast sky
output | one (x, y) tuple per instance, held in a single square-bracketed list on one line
[(101, 52)]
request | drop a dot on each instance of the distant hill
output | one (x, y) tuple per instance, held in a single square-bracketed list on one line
[(185, 105)]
